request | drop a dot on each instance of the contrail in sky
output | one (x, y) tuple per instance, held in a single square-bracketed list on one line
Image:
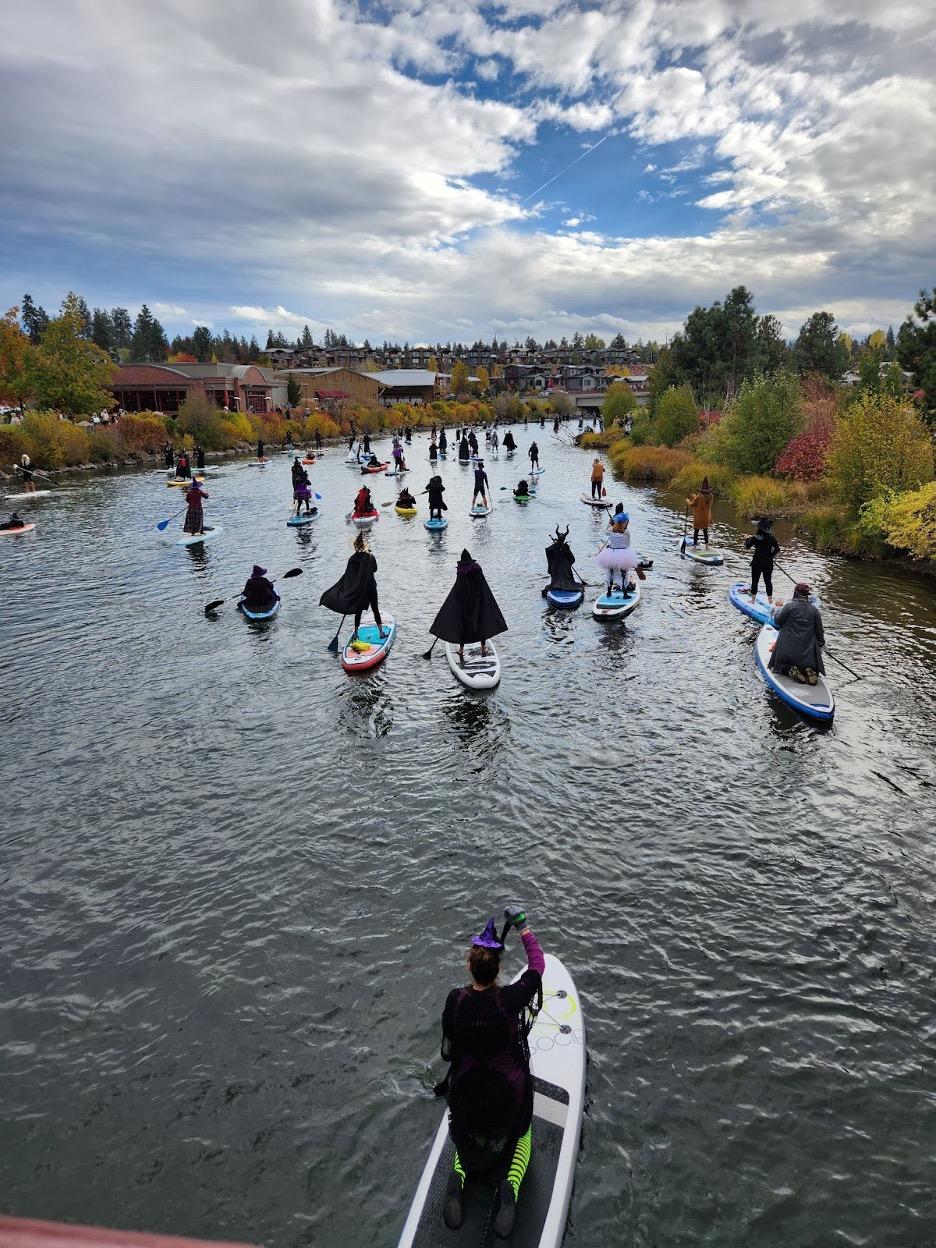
[(587, 151)]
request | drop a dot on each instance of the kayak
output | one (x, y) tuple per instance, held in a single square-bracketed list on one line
[(522, 498), (760, 610), (258, 615), (405, 511), (702, 554), (617, 605), (479, 671), (564, 597), (374, 648), (372, 468), (297, 522), (435, 524), (480, 511), (815, 701), (365, 522), (308, 461), (24, 528), (30, 494), (557, 1064), (196, 539), (595, 502)]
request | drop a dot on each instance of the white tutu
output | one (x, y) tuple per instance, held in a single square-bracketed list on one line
[(617, 560)]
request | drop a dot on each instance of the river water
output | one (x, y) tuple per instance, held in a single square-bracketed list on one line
[(237, 883)]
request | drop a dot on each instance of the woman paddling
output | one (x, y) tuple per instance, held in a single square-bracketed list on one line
[(406, 500), (701, 504), (363, 503), (183, 467), (490, 1093), (765, 547), (168, 455), (597, 477), (199, 454), (470, 612), (509, 443), (797, 652), (356, 590), (435, 489), (522, 490), (559, 561), (194, 516), (258, 593), (302, 492), (533, 453), (15, 522), (433, 451), (260, 449), (616, 557)]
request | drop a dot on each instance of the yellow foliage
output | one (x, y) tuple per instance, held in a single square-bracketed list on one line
[(907, 521), (658, 464), (766, 496)]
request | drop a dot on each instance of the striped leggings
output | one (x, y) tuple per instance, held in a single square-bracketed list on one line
[(518, 1165)]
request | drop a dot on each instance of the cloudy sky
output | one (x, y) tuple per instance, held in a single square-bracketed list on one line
[(454, 169)]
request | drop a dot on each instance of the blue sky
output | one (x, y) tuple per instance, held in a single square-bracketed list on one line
[(405, 169)]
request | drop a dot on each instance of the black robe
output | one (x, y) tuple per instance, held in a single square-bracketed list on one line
[(801, 637), (464, 450), (470, 612), (259, 593), (443, 441), (509, 443), (356, 588), (559, 560)]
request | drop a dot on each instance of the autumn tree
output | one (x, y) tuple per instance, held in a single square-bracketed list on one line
[(618, 401), (67, 371), (459, 377), (484, 379), (15, 384)]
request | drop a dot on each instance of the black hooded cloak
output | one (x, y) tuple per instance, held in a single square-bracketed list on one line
[(559, 561), (436, 489), (464, 450), (470, 612), (509, 443), (356, 588)]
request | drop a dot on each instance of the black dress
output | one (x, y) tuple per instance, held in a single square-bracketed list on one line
[(559, 561), (356, 590)]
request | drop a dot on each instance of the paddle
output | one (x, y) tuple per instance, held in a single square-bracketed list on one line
[(682, 544), (848, 669), (428, 654), (213, 606), (164, 524), (332, 646), (36, 472)]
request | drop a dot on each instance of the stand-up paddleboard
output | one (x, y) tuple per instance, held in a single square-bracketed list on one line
[(29, 494), (596, 502), (701, 554), (298, 522), (365, 522), (479, 671), (760, 609), (617, 605), (373, 648), (557, 1063), (196, 539), (464, 462), (537, 472), (257, 463), (176, 482), (24, 528), (405, 511), (814, 701), (478, 510), (564, 597), (250, 614), (308, 461), (436, 524), (399, 472)]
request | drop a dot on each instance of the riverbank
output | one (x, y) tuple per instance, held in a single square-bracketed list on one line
[(809, 506)]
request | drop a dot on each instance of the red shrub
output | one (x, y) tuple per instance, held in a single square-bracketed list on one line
[(804, 457), (709, 416)]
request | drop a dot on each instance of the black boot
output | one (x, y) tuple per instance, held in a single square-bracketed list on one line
[(504, 1222), (452, 1212)]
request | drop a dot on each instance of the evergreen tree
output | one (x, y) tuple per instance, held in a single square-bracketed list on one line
[(916, 348), (891, 342), (202, 344), (773, 348), (148, 344), (306, 338), (270, 341), (253, 352), (73, 305), (122, 327), (618, 343), (34, 318), (102, 330), (293, 391), (817, 348)]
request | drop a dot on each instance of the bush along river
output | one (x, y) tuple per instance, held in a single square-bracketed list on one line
[(238, 882)]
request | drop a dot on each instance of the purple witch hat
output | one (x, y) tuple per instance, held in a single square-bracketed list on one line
[(488, 938)]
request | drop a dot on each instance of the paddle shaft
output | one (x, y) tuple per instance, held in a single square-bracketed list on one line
[(428, 653), (36, 472), (848, 669), (333, 644)]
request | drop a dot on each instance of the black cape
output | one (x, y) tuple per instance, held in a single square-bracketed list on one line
[(353, 592), (801, 637), (470, 612), (509, 443), (559, 560)]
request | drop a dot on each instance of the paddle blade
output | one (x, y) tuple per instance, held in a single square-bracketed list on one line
[(213, 606), (333, 645), (291, 572), (164, 524)]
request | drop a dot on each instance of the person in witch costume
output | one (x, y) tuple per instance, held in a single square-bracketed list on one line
[(363, 503), (470, 612), (481, 484), (356, 590), (443, 442), (559, 561), (701, 504), (764, 546), (435, 489), (258, 593), (509, 443), (489, 1086), (464, 449)]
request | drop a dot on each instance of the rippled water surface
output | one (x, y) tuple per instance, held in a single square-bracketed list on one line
[(236, 883)]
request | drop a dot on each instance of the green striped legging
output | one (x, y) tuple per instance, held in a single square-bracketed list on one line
[(518, 1165)]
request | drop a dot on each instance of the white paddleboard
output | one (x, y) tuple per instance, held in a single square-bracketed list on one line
[(197, 539), (30, 494), (702, 554), (557, 1063), (615, 606), (479, 671), (815, 701), (596, 502)]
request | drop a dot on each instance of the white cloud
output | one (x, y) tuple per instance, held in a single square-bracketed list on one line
[(168, 310)]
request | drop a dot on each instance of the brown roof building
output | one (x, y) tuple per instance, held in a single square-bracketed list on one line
[(165, 387)]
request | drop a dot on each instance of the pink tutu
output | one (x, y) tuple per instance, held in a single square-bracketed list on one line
[(617, 560)]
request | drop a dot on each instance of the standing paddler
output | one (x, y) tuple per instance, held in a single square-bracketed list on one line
[(194, 516), (435, 489), (509, 443), (464, 449), (490, 1089), (481, 484), (765, 546), (433, 451), (356, 590), (183, 467), (470, 612), (260, 449), (443, 442), (168, 455), (533, 453), (701, 504), (616, 557)]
